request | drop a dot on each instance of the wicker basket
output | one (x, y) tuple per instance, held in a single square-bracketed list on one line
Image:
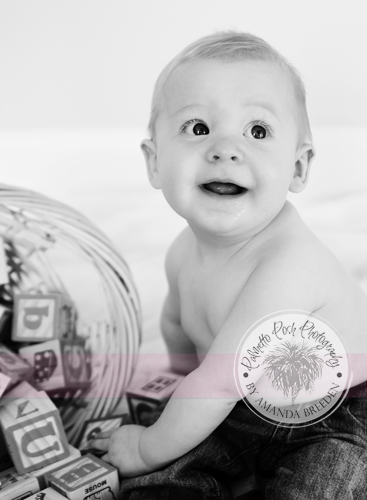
[(49, 247)]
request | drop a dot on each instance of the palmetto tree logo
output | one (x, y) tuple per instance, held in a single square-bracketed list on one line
[(292, 367)]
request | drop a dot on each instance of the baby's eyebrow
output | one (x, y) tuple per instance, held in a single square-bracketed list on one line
[(184, 108), (263, 104)]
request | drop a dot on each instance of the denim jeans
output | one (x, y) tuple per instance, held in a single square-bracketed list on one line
[(326, 460)]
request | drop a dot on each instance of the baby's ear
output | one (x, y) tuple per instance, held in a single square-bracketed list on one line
[(302, 166), (149, 150)]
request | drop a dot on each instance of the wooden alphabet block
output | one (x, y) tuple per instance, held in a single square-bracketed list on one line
[(21, 390), (14, 366), (47, 494), (41, 474), (86, 478), (33, 432), (15, 486), (95, 426), (42, 317), (146, 392), (58, 364)]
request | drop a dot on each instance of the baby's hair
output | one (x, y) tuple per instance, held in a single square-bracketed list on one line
[(232, 46)]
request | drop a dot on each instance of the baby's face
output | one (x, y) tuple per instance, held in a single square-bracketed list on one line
[(226, 144)]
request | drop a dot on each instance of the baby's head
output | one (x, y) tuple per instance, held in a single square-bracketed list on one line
[(230, 134), (234, 46)]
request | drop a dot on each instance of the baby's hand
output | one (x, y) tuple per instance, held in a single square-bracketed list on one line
[(122, 447)]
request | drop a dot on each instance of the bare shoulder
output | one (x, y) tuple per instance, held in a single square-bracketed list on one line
[(292, 263), (311, 278), (301, 255)]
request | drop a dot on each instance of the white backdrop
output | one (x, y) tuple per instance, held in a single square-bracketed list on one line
[(92, 63)]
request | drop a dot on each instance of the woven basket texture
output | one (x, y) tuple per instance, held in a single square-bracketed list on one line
[(49, 247)]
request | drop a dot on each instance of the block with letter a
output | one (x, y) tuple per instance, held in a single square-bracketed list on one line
[(42, 317), (33, 432)]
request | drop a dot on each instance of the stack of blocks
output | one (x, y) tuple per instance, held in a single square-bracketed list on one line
[(51, 357), (43, 461), (57, 356), (36, 461), (42, 465)]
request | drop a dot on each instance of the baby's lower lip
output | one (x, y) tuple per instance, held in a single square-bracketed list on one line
[(223, 188)]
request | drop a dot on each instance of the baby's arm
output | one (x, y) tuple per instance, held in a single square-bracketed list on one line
[(181, 350), (208, 394)]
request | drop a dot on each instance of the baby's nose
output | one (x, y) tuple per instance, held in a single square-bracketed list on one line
[(223, 150)]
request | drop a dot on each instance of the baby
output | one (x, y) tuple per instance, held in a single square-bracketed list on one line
[(230, 137)]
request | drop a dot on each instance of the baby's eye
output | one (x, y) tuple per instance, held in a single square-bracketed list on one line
[(259, 132), (194, 127), (200, 129)]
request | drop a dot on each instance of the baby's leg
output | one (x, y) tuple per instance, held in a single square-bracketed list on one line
[(325, 461), (329, 470)]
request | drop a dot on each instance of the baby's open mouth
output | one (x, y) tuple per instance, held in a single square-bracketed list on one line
[(224, 188)]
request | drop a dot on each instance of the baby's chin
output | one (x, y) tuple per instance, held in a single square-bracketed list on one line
[(222, 227), (232, 222)]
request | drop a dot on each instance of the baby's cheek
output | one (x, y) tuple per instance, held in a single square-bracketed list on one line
[(173, 196)]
